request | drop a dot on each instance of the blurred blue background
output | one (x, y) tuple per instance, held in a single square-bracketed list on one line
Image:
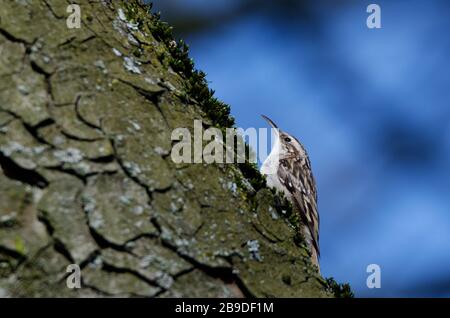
[(372, 108)]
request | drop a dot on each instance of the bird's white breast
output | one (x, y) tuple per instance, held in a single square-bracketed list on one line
[(270, 167)]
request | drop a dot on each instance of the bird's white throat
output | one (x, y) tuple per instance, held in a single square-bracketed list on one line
[(269, 167)]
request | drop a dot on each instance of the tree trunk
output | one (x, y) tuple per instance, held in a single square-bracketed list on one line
[(86, 178)]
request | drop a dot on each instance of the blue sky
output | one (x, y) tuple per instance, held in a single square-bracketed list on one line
[(372, 108)]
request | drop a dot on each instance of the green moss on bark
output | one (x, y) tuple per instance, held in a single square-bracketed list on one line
[(91, 180)]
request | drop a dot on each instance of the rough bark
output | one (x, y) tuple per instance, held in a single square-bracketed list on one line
[(86, 177)]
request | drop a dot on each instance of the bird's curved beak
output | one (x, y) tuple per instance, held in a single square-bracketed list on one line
[(275, 129), (271, 123)]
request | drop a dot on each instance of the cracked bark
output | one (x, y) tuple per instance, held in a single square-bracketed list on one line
[(86, 175)]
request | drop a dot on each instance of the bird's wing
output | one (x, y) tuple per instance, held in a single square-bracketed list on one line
[(295, 174)]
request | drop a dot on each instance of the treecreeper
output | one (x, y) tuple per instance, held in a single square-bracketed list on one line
[(288, 170)]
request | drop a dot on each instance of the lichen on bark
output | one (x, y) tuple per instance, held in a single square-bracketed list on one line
[(86, 175)]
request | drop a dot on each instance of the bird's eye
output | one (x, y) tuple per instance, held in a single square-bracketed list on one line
[(287, 139)]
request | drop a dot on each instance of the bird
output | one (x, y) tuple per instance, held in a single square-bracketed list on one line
[(288, 169)]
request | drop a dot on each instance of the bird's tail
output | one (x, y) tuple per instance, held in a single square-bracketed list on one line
[(312, 247), (315, 258)]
